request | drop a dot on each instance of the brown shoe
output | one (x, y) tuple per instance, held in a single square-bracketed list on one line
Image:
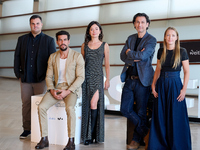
[(146, 140), (133, 145), (70, 145), (44, 142)]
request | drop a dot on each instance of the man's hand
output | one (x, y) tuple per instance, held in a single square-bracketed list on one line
[(127, 51), (63, 93), (55, 94), (59, 94), (142, 49)]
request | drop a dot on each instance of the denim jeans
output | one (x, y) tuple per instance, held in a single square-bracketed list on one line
[(134, 91)]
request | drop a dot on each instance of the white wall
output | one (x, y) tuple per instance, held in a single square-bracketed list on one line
[(121, 12), (17, 7)]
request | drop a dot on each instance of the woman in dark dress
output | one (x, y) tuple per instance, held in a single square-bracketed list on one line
[(170, 126), (94, 51)]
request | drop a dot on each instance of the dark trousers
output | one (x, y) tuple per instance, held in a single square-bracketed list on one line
[(134, 91), (28, 90), (170, 128)]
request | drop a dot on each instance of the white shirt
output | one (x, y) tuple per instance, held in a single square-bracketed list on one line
[(62, 69)]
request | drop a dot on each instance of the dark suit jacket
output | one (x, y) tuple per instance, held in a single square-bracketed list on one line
[(46, 48), (144, 66)]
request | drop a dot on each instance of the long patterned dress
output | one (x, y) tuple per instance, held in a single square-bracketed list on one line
[(93, 82)]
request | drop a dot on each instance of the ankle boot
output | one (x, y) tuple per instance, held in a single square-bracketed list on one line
[(70, 145), (44, 142), (87, 142), (93, 123)]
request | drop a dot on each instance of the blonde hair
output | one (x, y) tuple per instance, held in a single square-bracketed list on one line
[(176, 51)]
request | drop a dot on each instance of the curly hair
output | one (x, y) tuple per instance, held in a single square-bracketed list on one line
[(141, 15)]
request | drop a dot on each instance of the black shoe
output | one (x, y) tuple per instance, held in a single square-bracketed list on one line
[(44, 142), (25, 134), (87, 142)]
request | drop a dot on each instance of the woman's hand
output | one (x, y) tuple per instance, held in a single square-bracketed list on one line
[(181, 95), (107, 84), (155, 94)]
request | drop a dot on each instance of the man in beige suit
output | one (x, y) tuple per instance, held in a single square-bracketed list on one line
[(65, 74)]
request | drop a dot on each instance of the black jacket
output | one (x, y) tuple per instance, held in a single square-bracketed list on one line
[(46, 48)]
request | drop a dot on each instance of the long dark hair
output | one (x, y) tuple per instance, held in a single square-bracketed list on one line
[(87, 34)]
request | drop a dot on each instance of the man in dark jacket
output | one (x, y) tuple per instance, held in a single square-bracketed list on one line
[(30, 65), (137, 54)]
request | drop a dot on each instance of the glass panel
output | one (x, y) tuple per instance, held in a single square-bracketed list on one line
[(109, 1), (60, 4), (187, 28), (0, 26), (76, 35), (192, 97), (69, 18), (77, 49), (8, 42), (115, 54), (4, 61), (7, 73), (118, 33), (125, 11), (15, 24), (181, 8), (15, 7)]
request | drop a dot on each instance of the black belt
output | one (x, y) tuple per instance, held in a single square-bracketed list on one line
[(133, 77)]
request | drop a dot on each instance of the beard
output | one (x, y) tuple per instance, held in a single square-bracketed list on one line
[(63, 49)]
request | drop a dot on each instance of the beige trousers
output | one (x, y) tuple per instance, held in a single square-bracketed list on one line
[(47, 101)]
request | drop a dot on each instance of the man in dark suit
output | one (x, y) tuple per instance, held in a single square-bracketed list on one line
[(30, 65), (137, 75)]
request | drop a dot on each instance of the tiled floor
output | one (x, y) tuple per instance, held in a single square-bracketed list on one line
[(10, 125)]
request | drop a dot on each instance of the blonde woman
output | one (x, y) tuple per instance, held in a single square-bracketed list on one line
[(170, 126)]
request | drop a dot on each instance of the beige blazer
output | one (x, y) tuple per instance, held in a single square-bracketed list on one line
[(75, 71)]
